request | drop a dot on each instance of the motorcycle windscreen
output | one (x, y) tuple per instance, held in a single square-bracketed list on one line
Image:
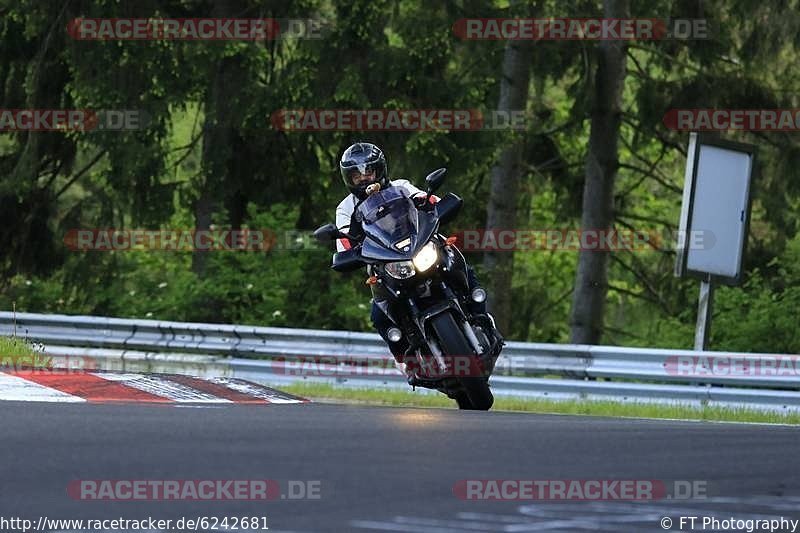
[(391, 222)]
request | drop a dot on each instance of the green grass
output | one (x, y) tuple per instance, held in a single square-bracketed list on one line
[(16, 350), (408, 398)]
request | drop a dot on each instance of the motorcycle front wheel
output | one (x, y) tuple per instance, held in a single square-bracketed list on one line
[(476, 394)]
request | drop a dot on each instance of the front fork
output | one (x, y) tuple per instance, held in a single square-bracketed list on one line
[(413, 322), (427, 343)]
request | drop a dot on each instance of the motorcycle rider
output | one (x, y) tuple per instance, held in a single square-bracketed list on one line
[(364, 164)]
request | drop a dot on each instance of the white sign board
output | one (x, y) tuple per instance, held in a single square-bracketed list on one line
[(715, 210)]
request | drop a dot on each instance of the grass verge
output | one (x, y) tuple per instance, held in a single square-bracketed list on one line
[(408, 398), (15, 349)]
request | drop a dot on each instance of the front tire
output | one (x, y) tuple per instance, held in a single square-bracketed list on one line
[(463, 401), (476, 394)]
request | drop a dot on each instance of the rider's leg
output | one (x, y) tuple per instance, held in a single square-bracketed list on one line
[(472, 280), (479, 310), (382, 323)]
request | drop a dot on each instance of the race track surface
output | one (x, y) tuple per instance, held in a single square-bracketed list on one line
[(388, 469)]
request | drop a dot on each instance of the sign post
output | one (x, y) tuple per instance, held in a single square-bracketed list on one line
[(715, 219), (704, 306)]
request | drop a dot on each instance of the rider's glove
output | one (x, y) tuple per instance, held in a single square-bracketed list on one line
[(421, 202), (355, 230)]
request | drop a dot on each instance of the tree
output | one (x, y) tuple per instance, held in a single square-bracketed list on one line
[(591, 282), (504, 189)]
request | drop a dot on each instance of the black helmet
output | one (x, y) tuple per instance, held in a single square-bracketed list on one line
[(360, 158)]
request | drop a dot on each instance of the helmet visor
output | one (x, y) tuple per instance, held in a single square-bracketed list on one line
[(362, 175)]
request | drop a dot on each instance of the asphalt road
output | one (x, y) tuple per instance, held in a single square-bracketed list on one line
[(389, 469)]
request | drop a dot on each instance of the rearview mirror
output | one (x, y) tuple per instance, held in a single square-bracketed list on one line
[(326, 233), (435, 179), (448, 207), (347, 261)]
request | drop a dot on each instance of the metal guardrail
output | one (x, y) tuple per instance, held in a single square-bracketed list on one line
[(266, 354)]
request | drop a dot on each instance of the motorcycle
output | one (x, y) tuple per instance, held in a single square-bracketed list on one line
[(419, 279)]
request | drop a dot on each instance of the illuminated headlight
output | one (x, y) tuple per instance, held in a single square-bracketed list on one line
[(427, 257), (394, 334), (400, 269), (478, 295)]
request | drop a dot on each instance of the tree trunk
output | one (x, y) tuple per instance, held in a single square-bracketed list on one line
[(503, 195), (221, 108), (591, 283), (217, 150)]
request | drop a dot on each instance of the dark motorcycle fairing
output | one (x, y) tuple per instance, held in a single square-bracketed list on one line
[(406, 223)]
